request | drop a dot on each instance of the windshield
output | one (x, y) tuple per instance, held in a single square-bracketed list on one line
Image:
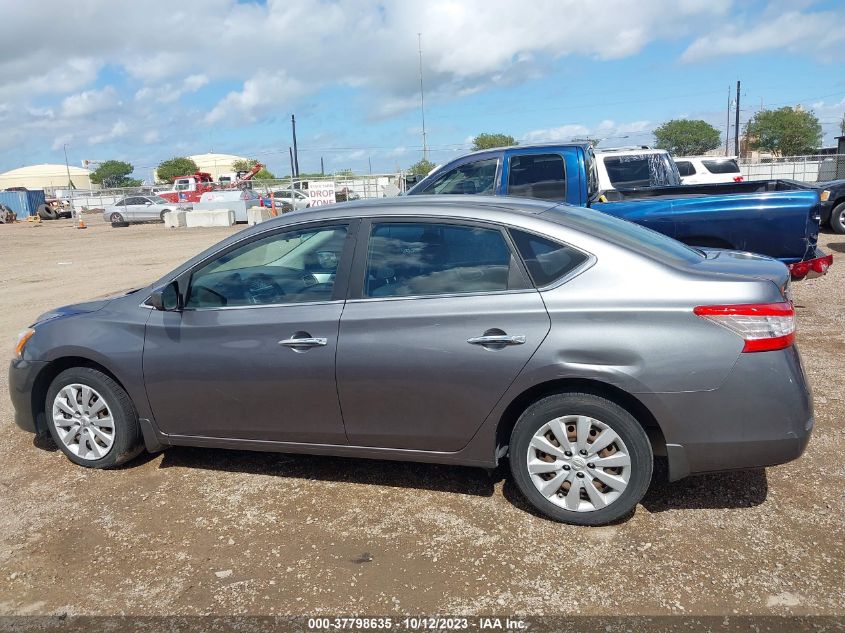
[(627, 234), (158, 200), (641, 170)]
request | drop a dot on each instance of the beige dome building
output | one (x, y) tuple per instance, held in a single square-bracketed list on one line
[(216, 164), (41, 176)]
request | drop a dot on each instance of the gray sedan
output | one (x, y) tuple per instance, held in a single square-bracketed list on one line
[(574, 344), (139, 208)]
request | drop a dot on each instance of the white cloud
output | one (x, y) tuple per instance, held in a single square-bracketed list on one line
[(260, 95), (89, 102), (118, 130), (791, 30), (606, 130)]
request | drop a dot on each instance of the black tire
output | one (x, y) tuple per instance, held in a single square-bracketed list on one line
[(837, 218), (610, 414), (46, 212), (120, 225), (127, 442)]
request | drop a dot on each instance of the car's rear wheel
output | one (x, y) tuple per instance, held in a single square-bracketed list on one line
[(837, 218), (116, 217), (580, 458), (91, 418), (163, 213)]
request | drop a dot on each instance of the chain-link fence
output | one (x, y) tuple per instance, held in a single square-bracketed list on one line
[(810, 168), (345, 186)]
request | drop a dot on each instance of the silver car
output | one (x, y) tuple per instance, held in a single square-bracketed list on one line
[(139, 208), (459, 331)]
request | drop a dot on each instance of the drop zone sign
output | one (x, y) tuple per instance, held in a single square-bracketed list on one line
[(321, 192)]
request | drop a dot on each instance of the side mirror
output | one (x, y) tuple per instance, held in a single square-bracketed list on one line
[(167, 298), (148, 203)]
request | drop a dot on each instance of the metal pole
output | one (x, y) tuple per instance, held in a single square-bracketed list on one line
[(728, 125), (295, 153), (69, 183), (322, 167), (422, 98), (736, 129)]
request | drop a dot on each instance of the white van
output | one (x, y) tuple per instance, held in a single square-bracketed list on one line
[(700, 170)]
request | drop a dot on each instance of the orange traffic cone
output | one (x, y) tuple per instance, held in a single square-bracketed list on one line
[(81, 224)]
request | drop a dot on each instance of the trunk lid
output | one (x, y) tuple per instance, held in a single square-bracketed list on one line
[(737, 263)]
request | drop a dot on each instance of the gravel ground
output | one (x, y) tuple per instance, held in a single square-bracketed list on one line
[(196, 531)]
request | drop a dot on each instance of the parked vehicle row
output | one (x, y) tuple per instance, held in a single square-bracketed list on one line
[(778, 218), (444, 330)]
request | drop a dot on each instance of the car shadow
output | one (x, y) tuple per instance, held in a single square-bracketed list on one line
[(839, 247), (732, 489), (441, 478)]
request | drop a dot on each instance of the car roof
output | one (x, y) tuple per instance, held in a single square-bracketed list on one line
[(468, 206)]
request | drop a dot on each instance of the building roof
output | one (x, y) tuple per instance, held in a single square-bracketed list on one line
[(45, 170), (201, 159)]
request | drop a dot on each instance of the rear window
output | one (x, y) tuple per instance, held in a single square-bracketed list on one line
[(546, 260), (626, 234), (721, 166), (640, 170), (685, 168)]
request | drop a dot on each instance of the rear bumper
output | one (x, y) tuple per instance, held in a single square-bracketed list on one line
[(22, 375), (762, 415)]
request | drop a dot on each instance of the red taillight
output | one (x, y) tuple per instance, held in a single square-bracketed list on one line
[(738, 178), (819, 265), (763, 326)]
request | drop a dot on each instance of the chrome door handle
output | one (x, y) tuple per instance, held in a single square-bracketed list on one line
[(303, 342), (499, 339)]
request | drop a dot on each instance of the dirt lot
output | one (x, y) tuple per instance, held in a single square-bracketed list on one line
[(193, 531)]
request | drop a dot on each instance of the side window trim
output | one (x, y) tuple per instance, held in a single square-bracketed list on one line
[(342, 276), (358, 270)]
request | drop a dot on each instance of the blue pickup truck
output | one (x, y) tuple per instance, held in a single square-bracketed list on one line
[(778, 218)]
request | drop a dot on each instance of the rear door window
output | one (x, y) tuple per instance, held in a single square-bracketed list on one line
[(540, 176), (641, 170), (407, 259), (721, 166), (546, 260), (478, 177)]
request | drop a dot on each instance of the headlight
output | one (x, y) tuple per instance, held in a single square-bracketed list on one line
[(23, 337), (825, 195)]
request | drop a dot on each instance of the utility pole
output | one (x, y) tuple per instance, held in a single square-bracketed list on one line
[(67, 166), (295, 152), (292, 174), (728, 125), (322, 167), (736, 129), (422, 98)]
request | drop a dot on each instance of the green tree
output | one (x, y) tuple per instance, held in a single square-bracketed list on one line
[(170, 169), (786, 131), (421, 167), (249, 163), (687, 137), (489, 141), (114, 173)]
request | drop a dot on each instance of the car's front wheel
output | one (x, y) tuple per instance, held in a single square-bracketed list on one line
[(91, 418), (580, 458)]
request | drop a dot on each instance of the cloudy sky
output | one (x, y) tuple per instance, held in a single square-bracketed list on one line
[(145, 81)]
